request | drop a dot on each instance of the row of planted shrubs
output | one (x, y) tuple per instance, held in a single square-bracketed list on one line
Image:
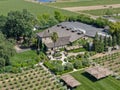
[(99, 22), (57, 67), (109, 57), (72, 62), (34, 78)]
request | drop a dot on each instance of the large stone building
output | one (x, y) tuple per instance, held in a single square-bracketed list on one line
[(69, 32)]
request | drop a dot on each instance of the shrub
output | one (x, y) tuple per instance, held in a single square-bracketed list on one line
[(78, 64), (57, 54), (68, 66)]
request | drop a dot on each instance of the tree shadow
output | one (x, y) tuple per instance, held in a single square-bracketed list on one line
[(90, 77)]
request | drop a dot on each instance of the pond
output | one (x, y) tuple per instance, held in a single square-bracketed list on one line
[(46, 0)]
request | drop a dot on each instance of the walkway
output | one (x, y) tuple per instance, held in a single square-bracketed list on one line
[(19, 50), (75, 54), (62, 59)]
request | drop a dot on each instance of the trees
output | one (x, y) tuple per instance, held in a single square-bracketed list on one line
[(101, 42), (114, 28), (19, 24), (105, 42), (85, 62), (114, 42), (3, 20), (58, 16), (98, 44), (100, 22), (54, 37), (85, 19), (77, 64), (110, 42), (6, 51), (68, 66), (46, 20), (118, 38), (115, 32)]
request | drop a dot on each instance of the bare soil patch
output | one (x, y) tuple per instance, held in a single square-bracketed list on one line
[(82, 8)]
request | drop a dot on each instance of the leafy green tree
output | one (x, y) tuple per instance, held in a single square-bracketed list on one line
[(2, 62), (78, 64), (68, 66), (19, 24), (85, 19), (100, 22), (3, 20), (6, 51), (85, 62), (46, 20), (114, 28), (72, 18), (59, 68), (59, 16)]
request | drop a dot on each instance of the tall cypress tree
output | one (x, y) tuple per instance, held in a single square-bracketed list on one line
[(118, 39), (110, 41), (96, 42), (105, 42), (114, 41), (101, 44)]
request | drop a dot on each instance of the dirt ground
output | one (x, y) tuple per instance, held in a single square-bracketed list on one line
[(34, 1), (66, 0), (82, 8)]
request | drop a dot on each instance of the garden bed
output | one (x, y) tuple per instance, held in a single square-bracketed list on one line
[(77, 50)]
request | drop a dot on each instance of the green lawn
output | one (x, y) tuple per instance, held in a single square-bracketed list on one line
[(108, 83), (24, 58), (35, 8), (101, 12), (84, 3)]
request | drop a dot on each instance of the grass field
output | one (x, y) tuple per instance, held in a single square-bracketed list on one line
[(23, 58), (101, 12), (35, 8), (108, 83), (84, 3)]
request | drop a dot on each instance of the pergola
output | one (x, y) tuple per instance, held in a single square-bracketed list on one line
[(70, 81), (98, 72)]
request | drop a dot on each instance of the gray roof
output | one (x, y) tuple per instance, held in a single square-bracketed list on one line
[(89, 29), (60, 42), (74, 30), (62, 32)]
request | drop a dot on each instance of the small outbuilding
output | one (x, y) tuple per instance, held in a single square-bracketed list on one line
[(70, 81), (98, 72)]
